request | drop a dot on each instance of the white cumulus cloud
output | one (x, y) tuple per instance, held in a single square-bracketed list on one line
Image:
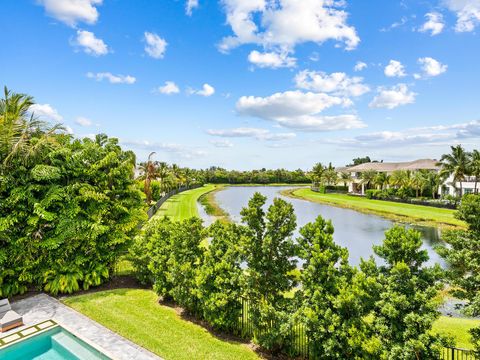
[(156, 46), (394, 69), (282, 25), (83, 121), (247, 132), (360, 65), (207, 90), (434, 24), (190, 5), (298, 110), (337, 83), (393, 97), (113, 79), (440, 134), (168, 88), (432, 67), (468, 13), (72, 12), (90, 44), (272, 60), (45, 111)]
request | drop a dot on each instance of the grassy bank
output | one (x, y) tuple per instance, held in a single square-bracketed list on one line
[(184, 205), (424, 215), (458, 328), (137, 316), (211, 206)]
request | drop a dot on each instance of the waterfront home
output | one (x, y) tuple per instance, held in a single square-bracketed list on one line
[(357, 186)]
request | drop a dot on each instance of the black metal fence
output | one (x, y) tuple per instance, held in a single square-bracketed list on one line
[(299, 346), (154, 208), (458, 354)]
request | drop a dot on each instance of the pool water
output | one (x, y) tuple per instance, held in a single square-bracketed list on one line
[(54, 344)]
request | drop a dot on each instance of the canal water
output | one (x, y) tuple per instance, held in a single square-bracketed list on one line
[(356, 231)]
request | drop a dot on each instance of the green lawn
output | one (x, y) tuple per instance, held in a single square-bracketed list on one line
[(458, 328), (136, 315), (184, 205), (389, 209)]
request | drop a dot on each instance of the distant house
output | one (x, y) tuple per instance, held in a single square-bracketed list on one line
[(355, 186)]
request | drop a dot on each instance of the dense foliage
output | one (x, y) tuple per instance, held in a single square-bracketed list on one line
[(463, 256), (68, 207), (334, 297), (374, 311), (406, 309), (269, 249)]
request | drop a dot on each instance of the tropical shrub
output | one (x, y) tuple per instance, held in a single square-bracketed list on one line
[(406, 309), (269, 250), (68, 207), (220, 276), (462, 255), (333, 296)]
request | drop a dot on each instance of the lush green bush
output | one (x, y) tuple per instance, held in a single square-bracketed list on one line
[(406, 306), (67, 215), (220, 276), (462, 255), (333, 299)]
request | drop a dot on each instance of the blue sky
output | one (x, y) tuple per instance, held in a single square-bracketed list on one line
[(252, 83)]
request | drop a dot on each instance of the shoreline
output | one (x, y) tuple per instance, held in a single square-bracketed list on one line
[(210, 205), (385, 214)]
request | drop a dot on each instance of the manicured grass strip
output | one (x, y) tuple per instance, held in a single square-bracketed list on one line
[(184, 205), (137, 316), (393, 210), (458, 328)]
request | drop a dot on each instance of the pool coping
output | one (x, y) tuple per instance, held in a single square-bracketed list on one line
[(42, 308), (50, 324)]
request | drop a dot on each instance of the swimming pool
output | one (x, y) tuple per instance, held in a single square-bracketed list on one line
[(53, 344)]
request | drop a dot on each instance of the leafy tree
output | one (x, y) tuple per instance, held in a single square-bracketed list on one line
[(360, 160), (184, 262), (68, 207), (219, 278), (269, 251), (406, 310), (317, 173), (475, 167), (456, 165), (463, 257), (333, 296), (150, 254)]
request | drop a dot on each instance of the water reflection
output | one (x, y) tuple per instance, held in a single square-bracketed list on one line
[(354, 230)]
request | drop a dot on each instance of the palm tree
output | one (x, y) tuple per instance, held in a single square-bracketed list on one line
[(400, 178), (18, 128), (162, 174), (149, 173), (475, 167), (419, 182), (381, 179), (346, 177), (317, 171), (368, 177), (434, 181), (456, 165), (330, 176)]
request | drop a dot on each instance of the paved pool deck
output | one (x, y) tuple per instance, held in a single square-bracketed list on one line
[(40, 308)]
